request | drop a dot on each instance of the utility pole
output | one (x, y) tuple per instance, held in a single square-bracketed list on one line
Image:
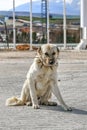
[(44, 19)]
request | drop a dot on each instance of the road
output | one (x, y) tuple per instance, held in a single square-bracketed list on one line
[(72, 73)]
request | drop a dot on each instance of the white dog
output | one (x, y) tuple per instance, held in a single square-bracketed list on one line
[(41, 80)]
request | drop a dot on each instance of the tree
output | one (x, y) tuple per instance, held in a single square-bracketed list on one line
[(34, 37)]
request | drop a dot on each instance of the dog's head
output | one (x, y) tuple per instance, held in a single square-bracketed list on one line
[(48, 54)]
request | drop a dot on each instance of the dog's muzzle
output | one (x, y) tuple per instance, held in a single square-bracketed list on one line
[(51, 61)]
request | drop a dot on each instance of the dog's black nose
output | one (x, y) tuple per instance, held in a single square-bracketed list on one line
[(51, 62)]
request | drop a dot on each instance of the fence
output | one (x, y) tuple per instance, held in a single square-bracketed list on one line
[(55, 35)]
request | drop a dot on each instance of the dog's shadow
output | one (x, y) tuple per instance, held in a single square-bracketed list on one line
[(58, 108)]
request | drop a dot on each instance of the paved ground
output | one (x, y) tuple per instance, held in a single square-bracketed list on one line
[(73, 86)]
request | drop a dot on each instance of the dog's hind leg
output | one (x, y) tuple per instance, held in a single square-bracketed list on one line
[(25, 94)]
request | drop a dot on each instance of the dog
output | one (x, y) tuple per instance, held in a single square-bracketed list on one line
[(41, 81)]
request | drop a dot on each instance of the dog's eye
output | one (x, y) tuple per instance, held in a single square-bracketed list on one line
[(53, 53), (46, 54)]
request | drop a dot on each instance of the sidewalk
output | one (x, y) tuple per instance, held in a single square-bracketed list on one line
[(73, 86)]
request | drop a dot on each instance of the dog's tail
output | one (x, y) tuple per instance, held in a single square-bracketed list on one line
[(14, 101)]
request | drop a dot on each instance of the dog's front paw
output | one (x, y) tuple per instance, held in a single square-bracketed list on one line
[(49, 103), (36, 106), (67, 108)]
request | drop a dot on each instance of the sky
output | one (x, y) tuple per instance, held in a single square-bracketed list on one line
[(8, 4)]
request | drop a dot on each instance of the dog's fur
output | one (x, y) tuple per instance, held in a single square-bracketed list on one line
[(41, 80)]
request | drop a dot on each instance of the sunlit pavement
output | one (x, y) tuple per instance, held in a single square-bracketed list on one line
[(72, 74)]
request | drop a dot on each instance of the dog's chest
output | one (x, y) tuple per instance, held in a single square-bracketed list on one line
[(43, 80)]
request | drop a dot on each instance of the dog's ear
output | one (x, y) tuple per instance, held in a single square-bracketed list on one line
[(58, 50), (39, 51)]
